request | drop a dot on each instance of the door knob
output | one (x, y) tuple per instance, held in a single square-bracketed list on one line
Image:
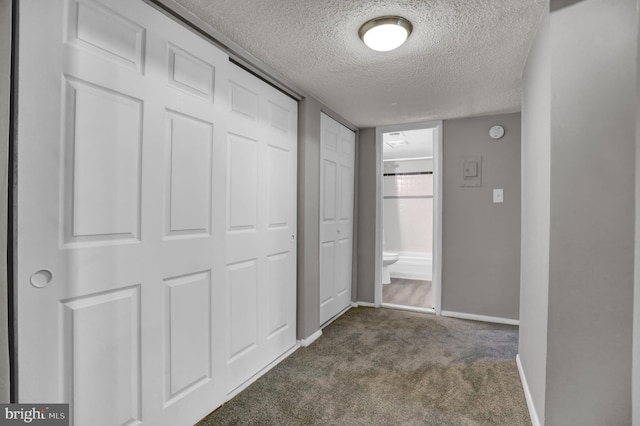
[(41, 278)]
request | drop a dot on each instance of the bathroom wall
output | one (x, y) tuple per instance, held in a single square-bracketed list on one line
[(408, 222), (408, 166), (481, 239)]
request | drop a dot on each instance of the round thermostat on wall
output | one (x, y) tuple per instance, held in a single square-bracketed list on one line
[(496, 132)]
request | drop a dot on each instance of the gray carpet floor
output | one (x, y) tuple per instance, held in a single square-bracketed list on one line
[(390, 367)]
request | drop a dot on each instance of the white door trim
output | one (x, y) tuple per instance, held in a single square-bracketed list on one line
[(437, 208)]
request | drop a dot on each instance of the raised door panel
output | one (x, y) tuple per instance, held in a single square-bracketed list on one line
[(280, 294), (327, 273), (189, 175), (190, 73), (329, 195), (244, 101), (278, 187), (343, 269), (104, 32), (188, 334), (102, 151), (103, 356), (242, 281), (242, 192), (346, 192)]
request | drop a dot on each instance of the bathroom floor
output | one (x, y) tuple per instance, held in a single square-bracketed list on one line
[(408, 293)]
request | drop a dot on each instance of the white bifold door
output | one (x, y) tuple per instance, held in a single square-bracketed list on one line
[(336, 216), (155, 216)]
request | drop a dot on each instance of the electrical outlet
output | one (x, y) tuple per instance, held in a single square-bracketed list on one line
[(498, 195)]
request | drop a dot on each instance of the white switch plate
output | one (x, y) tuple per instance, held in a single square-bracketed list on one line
[(498, 195)]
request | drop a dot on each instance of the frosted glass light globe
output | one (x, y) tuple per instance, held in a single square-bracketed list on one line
[(385, 37), (385, 33)]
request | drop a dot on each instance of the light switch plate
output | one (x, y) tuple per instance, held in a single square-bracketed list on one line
[(498, 195), (470, 171)]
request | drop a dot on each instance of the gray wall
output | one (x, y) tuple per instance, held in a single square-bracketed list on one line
[(5, 85), (534, 257), (308, 217), (593, 123), (366, 220), (480, 239)]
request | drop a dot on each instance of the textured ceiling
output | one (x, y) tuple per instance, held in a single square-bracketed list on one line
[(407, 144), (464, 57)]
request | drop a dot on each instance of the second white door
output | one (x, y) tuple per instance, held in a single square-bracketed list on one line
[(336, 216)]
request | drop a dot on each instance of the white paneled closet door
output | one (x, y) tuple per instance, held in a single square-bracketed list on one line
[(336, 216), (261, 225), (132, 176)]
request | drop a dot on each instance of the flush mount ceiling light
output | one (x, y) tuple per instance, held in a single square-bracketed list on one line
[(385, 33)]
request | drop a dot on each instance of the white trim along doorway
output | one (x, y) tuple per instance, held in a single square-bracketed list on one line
[(436, 126)]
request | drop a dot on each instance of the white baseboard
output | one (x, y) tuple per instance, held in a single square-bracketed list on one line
[(309, 340), (261, 373), (535, 421), (365, 304), (483, 318), (409, 308)]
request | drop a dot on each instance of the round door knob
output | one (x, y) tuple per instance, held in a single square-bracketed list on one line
[(41, 278)]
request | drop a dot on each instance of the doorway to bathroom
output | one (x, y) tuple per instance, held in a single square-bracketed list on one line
[(409, 236)]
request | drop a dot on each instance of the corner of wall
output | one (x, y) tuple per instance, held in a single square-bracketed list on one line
[(308, 269)]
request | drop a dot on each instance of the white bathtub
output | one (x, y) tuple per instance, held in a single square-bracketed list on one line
[(413, 266)]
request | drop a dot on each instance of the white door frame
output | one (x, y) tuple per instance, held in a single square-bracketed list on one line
[(437, 209)]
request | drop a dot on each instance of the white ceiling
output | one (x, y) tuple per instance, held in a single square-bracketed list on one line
[(407, 144), (464, 57)]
